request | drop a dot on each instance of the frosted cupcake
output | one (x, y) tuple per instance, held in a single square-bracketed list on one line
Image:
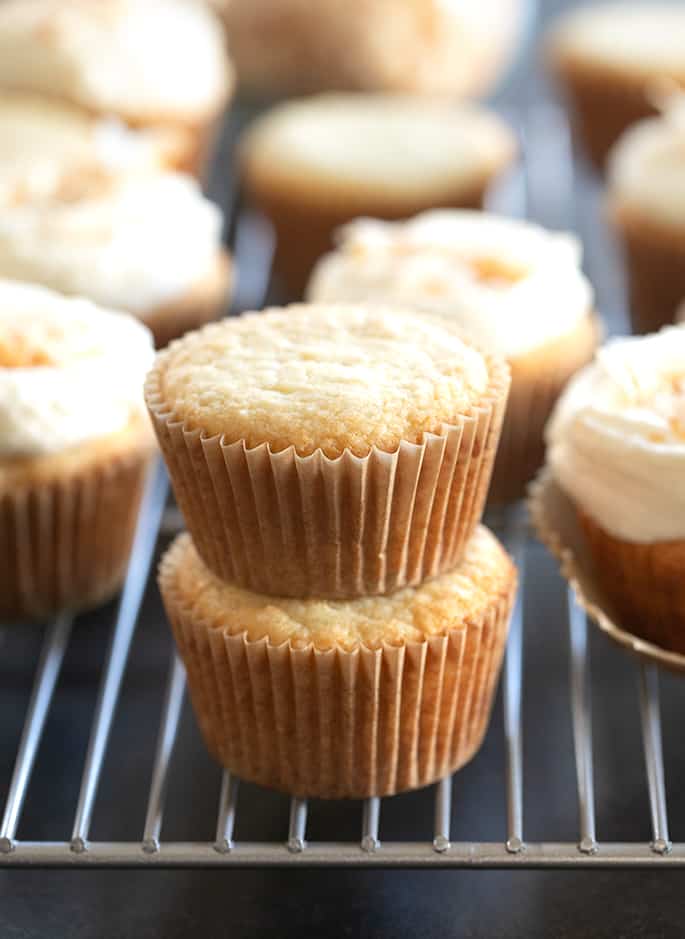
[(75, 444), (610, 58), (398, 156), (512, 287), (343, 699), (458, 48), (43, 140), (646, 197), (616, 446), (151, 63), (328, 451), (148, 243)]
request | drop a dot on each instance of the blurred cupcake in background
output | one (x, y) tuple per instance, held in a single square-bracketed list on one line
[(616, 447), (75, 445), (155, 64), (148, 243), (457, 48), (313, 164), (511, 287), (646, 198), (609, 58)]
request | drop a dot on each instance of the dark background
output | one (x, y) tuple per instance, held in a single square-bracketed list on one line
[(285, 903)]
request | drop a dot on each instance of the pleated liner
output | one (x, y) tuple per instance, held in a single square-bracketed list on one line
[(288, 525), (64, 543), (335, 723)]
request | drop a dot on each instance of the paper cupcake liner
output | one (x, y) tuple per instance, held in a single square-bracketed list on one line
[(65, 542), (603, 103), (288, 525), (559, 527), (537, 380), (655, 262), (335, 723)]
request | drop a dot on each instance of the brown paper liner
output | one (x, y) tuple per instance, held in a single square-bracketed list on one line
[(304, 226), (655, 261), (299, 526), (537, 380), (603, 102), (340, 724), (204, 301), (65, 541), (590, 560)]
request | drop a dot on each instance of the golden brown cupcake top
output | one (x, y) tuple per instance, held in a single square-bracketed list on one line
[(324, 377), (485, 576)]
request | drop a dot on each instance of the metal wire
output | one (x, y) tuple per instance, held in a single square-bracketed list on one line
[(650, 715), (581, 714)]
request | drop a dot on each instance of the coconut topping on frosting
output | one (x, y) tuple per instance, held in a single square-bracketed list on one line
[(141, 59), (616, 441), (510, 285), (318, 377), (131, 240), (70, 372), (647, 165)]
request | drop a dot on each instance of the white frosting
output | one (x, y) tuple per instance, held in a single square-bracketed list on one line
[(511, 286), (137, 58), (616, 440), (70, 372), (388, 142), (129, 241), (43, 141), (647, 37), (647, 165)]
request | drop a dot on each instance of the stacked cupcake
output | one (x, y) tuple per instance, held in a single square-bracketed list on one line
[(340, 610)]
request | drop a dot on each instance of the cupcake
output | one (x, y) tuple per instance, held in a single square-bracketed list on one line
[(75, 444), (328, 451), (418, 46), (343, 699), (610, 58), (512, 287), (145, 242), (42, 140), (158, 64), (646, 198), (400, 156), (616, 446)]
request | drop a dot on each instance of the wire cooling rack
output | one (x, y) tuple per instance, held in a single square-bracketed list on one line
[(545, 189)]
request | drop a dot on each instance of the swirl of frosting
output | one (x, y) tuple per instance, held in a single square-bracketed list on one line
[(70, 372), (131, 241), (141, 59), (647, 165), (511, 286), (616, 440)]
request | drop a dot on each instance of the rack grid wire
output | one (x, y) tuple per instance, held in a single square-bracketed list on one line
[(546, 191)]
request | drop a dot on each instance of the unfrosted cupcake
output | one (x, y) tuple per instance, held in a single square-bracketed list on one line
[(616, 445), (313, 164), (512, 287), (75, 444), (610, 58), (458, 48), (646, 197), (345, 699), (145, 242), (152, 63), (328, 451)]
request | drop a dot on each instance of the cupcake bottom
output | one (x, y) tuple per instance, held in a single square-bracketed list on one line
[(537, 380), (334, 722), (67, 523), (655, 259), (205, 301), (603, 104), (645, 583), (304, 227)]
